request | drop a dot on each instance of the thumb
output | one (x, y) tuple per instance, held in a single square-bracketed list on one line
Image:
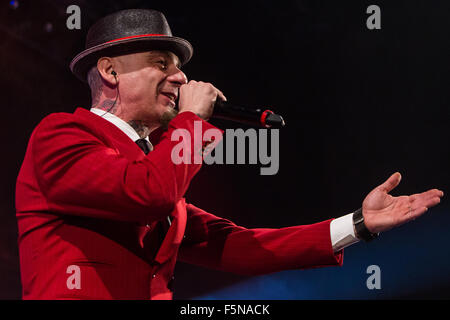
[(391, 183)]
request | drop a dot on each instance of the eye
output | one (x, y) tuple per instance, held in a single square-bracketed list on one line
[(163, 64)]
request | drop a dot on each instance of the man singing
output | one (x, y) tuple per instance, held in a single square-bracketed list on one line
[(100, 203)]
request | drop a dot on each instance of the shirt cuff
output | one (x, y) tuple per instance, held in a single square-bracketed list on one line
[(342, 232)]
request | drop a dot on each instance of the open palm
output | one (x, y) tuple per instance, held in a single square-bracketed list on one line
[(382, 211)]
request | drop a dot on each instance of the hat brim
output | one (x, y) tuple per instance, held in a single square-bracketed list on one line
[(85, 60)]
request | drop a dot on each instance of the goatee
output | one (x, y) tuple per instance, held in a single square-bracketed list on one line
[(167, 117)]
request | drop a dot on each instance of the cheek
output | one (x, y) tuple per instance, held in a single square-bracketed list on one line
[(142, 87)]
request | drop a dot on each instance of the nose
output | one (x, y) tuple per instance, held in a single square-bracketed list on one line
[(177, 77)]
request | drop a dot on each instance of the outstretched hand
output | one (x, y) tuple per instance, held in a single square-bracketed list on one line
[(382, 211)]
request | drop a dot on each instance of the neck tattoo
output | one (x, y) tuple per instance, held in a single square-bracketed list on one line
[(109, 106)]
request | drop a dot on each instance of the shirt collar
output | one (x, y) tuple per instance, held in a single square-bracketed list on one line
[(119, 123)]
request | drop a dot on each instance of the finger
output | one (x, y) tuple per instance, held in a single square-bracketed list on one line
[(419, 209), (221, 95), (432, 202), (427, 194), (414, 214), (391, 183), (422, 198)]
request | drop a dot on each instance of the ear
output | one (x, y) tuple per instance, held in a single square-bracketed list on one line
[(105, 66)]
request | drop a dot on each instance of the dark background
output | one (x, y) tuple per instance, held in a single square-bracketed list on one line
[(359, 105)]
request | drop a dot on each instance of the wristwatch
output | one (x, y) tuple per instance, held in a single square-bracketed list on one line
[(360, 228)]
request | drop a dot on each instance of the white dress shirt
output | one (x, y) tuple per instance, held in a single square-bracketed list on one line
[(341, 229), (122, 125)]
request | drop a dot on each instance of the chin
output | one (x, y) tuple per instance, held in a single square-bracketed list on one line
[(168, 115)]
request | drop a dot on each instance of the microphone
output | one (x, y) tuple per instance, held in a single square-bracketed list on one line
[(265, 118)]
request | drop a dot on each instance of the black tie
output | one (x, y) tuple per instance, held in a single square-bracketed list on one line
[(144, 145)]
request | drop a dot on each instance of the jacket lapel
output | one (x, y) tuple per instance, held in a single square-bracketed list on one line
[(111, 135), (175, 233)]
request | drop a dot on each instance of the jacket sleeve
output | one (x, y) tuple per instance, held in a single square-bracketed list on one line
[(220, 244), (79, 174)]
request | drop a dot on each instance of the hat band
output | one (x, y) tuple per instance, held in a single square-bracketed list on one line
[(138, 36)]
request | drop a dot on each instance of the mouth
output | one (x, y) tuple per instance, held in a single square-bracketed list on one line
[(172, 96)]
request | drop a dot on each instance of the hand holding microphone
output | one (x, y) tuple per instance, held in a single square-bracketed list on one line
[(199, 97)]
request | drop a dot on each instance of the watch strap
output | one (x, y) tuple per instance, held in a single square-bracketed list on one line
[(360, 227)]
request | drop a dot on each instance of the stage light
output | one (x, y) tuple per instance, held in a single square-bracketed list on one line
[(14, 4)]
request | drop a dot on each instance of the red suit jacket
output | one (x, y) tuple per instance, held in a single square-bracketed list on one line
[(86, 194)]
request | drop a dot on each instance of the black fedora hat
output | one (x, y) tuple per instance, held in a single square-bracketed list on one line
[(125, 32)]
